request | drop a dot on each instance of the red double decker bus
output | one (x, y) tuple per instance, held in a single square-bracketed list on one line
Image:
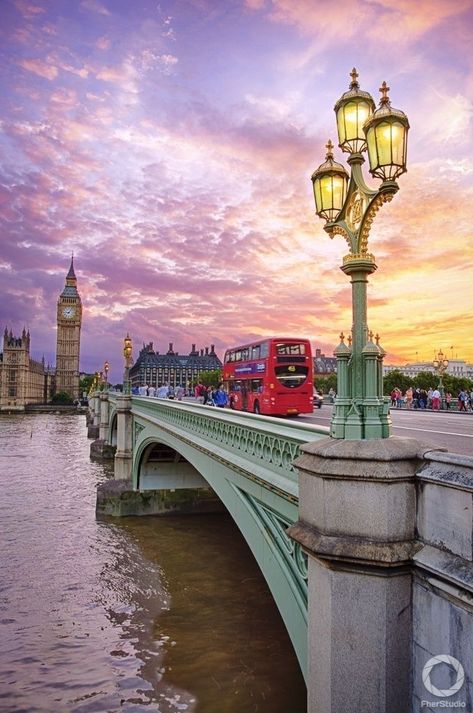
[(273, 377)]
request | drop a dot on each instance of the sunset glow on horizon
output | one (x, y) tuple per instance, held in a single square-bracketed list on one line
[(169, 146)]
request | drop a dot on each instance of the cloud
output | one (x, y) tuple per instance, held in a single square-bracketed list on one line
[(28, 9), (380, 20), (40, 68), (103, 43), (95, 6), (452, 112)]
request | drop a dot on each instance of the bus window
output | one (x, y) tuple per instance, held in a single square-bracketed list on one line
[(264, 349), (256, 351), (290, 349), (257, 386), (291, 376)]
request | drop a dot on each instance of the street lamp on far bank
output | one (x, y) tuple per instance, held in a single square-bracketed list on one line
[(127, 353), (106, 368), (349, 206), (440, 364)]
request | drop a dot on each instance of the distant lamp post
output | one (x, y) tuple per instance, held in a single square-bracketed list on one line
[(106, 368), (440, 364), (349, 206), (93, 384), (127, 353)]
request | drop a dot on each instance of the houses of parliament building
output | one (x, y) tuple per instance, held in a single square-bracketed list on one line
[(23, 380)]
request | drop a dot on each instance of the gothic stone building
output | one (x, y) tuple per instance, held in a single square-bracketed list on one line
[(22, 379), (153, 369)]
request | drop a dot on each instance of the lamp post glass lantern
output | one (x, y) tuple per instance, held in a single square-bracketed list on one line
[(349, 206)]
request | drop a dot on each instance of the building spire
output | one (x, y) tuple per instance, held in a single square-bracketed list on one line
[(71, 274)]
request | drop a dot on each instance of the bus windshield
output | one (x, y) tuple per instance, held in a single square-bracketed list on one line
[(291, 376)]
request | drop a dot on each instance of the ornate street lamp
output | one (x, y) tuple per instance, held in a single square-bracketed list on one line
[(127, 352), (440, 364), (93, 385), (349, 206), (106, 368)]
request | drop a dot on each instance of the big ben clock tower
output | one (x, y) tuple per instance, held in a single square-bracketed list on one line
[(69, 321)]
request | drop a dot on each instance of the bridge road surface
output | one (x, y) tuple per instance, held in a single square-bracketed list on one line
[(453, 431)]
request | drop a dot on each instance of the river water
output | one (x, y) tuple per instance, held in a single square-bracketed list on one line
[(123, 615)]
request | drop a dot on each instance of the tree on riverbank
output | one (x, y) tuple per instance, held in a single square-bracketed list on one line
[(62, 399), (425, 380)]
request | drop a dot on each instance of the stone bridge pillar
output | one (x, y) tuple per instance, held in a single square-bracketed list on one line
[(100, 448), (94, 415), (97, 409), (356, 522), (104, 413), (124, 455)]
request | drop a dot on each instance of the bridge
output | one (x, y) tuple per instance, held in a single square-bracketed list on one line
[(367, 546), (184, 452)]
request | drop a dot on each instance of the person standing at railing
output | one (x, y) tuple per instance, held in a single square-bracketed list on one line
[(435, 400), (200, 392), (423, 399), (409, 397), (162, 392), (220, 398)]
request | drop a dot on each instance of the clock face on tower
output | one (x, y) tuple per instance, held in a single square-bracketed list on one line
[(68, 312)]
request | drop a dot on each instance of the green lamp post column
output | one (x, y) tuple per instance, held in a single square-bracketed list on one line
[(349, 206), (440, 365), (342, 402)]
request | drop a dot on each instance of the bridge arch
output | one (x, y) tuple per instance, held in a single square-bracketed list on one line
[(113, 427), (161, 467), (261, 513)]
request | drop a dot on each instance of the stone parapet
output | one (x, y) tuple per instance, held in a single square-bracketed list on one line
[(360, 495), (388, 527)]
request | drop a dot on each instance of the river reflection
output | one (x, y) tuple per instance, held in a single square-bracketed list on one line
[(170, 614)]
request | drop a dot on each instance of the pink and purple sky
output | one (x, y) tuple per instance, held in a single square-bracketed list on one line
[(169, 146)]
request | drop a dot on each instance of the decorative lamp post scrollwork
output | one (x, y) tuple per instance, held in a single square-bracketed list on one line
[(349, 206), (440, 364), (127, 353)]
